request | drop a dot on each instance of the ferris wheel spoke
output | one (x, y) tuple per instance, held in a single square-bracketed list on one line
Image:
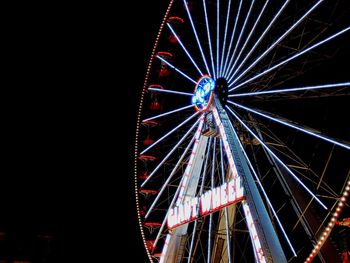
[(225, 37), (192, 242), (213, 165), (217, 36), (227, 236), (325, 168), (222, 163), (200, 193), (184, 48), (211, 187), (169, 112), (171, 91), (196, 36), (176, 69), (293, 156), (171, 173), (292, 57), (248, 38), (209, 39), (176, 195), (226, 210), (239, 37), (325, 86), (160, 231), (296, 206), (274, 44), (277, 158), (260, 38), (170, 132), (205, 167), (264, 193), (232, 36), (209, 237), (297, 127)]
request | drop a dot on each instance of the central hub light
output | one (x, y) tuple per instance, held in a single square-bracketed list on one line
[(203, 93)]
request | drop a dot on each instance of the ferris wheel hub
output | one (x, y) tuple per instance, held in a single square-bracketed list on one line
[(221, 90), (203, 92)]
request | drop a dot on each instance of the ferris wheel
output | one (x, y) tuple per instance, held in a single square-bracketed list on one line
[(242, 147)]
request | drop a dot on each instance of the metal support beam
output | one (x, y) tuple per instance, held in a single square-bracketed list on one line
[(270, 249)]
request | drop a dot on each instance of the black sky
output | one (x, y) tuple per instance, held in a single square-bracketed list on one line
[(67, 140), (146, 28)]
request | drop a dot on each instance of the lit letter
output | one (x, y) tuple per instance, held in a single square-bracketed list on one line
[(239, 188), (205, 202), (181, 216), (215, 197), (223, 191), (194, 203), (187, 210), (231, 191), (172, 217)]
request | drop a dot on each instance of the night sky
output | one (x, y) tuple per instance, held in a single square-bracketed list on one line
[(146, 29), (67, 143)]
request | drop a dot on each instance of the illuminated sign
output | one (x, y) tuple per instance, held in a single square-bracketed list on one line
[(203, 93), (209, 202)]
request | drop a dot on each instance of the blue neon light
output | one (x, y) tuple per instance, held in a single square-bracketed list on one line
[(203, 93)]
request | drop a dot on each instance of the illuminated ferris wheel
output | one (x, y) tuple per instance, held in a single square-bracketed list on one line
[(239, 153)]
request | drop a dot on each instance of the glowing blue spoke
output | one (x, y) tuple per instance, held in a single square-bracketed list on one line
[(177, 70), (217, 35), (260, 38), (195, 34), (200, 193), (222, 163), (248, 38), (213, 165), (169, 112), (192, 242), (170, 91), (278, 159), (226, 212), (172, 172), (227, 236), (170, 132), (326, 86), (209, 236), (175, 197), (205, 167), (232, 37), (166, 215), (184, 48), (209, 40), (211, 187), (274, 44), (225, 36), (291, 125), (172, 202), (291, 58), (239, 37), (264, 193)]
